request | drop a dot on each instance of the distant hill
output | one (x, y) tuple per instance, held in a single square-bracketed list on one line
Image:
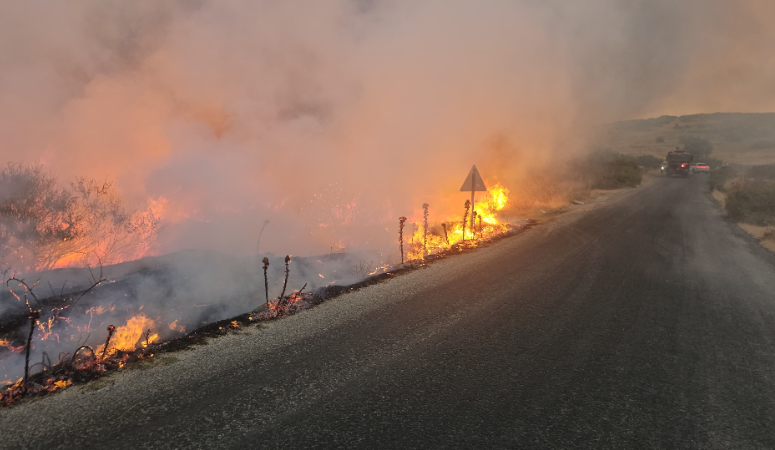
[(744, 138)]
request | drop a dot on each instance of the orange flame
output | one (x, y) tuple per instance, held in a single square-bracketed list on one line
[(61, 384), (174, 326), (487, 208), (126, 337)]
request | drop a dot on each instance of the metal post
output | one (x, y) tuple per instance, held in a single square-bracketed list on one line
[(473, 193)]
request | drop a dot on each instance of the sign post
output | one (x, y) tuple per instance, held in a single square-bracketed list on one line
[(473, 183)]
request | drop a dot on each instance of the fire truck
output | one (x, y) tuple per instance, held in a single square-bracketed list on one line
[(678, 162)]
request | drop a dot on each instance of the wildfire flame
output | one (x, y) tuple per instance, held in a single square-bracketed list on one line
[(61, 384), (175, 327), (106, 245), (126, 337), (487, 208)]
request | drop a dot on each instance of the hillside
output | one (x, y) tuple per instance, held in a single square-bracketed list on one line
[(743, 138)]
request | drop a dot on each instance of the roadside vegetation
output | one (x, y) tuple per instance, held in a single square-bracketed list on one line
[(617, 174), (748, 197), (603, 169), (649, 161), (748, 193), (46, 224), (719, 178), (699, 147), (550, 191), (751, 200)]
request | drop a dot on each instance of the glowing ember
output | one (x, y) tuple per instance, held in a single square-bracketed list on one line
[(179, 328), (97, 310), (380, 269), (62, 384), (7, 344)]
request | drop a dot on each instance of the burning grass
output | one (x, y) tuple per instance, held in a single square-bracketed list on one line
[(478, 223), (137, 340), (82, 366), (134, 343)]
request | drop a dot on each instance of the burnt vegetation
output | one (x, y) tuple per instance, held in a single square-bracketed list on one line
[(68, 366), (85, 363)]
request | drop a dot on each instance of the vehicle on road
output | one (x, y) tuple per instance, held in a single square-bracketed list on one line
[(663, 168), (678, 162), (700, 168)]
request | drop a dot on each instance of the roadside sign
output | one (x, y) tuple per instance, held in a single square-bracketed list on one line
[(473, 182)]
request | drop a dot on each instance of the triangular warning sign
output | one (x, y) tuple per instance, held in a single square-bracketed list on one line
[(473, 182)]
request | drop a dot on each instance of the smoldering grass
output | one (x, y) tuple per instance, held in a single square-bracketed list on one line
[(83, 366), (287, 271), (266, 278), (147, 335), (111, 330), (34, 316)]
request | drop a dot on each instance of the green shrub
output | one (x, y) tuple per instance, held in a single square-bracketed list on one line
[(696, 145), (660, 139), (752, 201), (617, 174), (649, 161)]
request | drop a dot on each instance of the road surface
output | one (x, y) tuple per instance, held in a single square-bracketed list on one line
[(645, 320)]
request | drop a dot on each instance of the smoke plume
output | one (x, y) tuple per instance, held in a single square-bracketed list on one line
[(333, 118)]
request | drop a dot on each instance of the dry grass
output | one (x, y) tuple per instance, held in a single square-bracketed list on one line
[(720, 197), (751, 200), (765, 235)]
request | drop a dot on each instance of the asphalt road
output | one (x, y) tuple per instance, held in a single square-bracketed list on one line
[(645, 320)]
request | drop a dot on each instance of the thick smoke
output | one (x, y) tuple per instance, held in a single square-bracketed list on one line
[(241, 111), (333, 118)]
